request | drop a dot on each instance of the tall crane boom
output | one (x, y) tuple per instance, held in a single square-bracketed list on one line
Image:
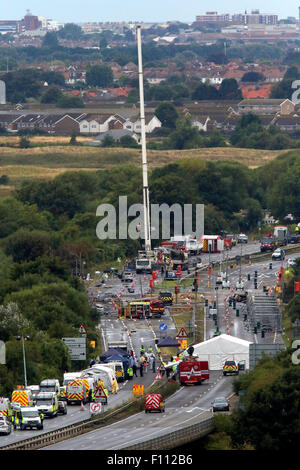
[(147, 225)]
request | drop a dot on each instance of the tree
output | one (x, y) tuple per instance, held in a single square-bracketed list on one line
[(69, 102), (167, 114), (52, 95), (50, 40), (24, 142), (99, 75), (185, 136), (253, 77), (70, 31), (229, 90)]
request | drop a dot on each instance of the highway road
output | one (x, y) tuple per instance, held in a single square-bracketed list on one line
[(185, 407), (194, 401)]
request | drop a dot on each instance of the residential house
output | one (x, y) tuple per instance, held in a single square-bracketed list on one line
[(290, 124), (116, 134), (94, 124), (266, 106), (134, 124)]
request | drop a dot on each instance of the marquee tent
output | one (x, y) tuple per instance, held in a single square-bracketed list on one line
[(222, 348)]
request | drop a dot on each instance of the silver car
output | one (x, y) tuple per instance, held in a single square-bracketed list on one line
[(5, 426), (220, 404)]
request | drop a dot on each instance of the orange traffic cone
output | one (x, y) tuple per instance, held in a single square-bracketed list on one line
[(82, 407)]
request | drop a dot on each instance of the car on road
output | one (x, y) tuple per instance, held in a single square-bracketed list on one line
[(130, 290), (62, 408), (291, 262), (242, 238), (5, 425), (278, 254), (220, 404), (171, 276)]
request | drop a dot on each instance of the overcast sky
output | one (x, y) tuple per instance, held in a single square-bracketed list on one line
[(138, 10)]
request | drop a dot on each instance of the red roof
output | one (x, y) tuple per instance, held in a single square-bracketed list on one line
[(254, 91)]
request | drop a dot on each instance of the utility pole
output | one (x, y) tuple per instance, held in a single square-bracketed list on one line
[(147, 230)]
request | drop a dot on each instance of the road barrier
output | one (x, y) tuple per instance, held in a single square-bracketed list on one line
[(176, 438)]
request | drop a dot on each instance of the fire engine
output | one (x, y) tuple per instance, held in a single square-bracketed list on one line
[(193, 371), (145, 308)]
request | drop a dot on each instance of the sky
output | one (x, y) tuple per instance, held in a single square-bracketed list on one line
[(78, 11)]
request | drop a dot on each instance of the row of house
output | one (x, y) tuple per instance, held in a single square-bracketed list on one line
[(78, 123)]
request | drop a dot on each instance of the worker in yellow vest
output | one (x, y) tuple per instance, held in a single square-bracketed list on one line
[(114, 386)]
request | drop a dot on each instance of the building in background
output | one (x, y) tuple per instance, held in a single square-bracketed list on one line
[(31, 22), (11, 27), (2, 92)]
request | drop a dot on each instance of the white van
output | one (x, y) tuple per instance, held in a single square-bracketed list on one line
[(50, 385), (117, 368), (70, 376)]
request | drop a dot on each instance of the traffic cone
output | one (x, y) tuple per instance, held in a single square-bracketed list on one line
[(82, 407)]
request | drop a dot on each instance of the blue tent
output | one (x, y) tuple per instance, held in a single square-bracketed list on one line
[(113, 352)]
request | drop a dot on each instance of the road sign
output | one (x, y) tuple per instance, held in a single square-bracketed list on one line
[(182, 334), (100, 395), (137, 390), (95, 408), (82, 329), (163, 327), (158, 376), (77, 348)]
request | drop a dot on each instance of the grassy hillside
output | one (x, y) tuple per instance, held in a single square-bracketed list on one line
[(50, 156)]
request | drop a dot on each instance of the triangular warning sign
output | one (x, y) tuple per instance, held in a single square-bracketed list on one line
[(100, 392), (182, 334), (82, 329), (158, 376)]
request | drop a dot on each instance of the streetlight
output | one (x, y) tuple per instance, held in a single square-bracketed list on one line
[(24, 338)]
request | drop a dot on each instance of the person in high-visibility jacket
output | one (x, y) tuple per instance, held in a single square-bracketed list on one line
[(114, 386), (101, 383), (150, 350), (142, 350), (106, 392), (130, 373)]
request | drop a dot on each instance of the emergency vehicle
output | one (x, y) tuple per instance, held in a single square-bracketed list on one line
[(145, 308), (76, 392), (212, 244), (22, 397), (47, 403), (5, 408), (27, 417), (193, 371), (166, 297), (154, 402), (230, 367)]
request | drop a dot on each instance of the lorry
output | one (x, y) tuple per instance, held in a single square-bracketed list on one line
[(193, 371), (281, 235), (179, 257), (76, 392), (154, 402), (47, 403), (118, 345), (50, 385), (27, 417), (192, 246), (145, 263)]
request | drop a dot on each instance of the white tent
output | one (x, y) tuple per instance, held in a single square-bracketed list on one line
[(222, 348)]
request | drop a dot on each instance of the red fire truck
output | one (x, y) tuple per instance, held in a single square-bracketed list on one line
[(193, 371), (145, 308)]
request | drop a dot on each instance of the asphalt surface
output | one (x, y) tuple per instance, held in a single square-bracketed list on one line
[(185, 407)]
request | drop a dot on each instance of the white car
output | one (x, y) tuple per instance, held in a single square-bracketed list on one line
[(291, 262), (278, 254), (242, 238), (239, 285)]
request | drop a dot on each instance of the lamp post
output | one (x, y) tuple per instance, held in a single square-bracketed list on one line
[(23, 338)]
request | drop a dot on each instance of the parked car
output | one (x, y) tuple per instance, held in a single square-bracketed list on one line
[(278, 254), (220, 404), (5, 425), (291, 262), (242, 238), (62, 407)]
